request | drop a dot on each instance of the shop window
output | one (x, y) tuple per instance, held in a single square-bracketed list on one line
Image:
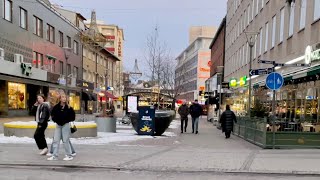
[(16, 96), (74, 101)]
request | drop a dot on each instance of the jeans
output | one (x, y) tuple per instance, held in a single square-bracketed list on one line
[(195, 124), (62, 133), (39, 135), (71, 146), (185, 120)]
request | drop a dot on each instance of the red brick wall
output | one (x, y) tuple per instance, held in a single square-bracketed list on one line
[(217, 51)]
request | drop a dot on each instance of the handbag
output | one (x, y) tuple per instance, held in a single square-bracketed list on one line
[(73, 128)]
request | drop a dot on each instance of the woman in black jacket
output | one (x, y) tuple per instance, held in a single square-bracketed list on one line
[(42, 113), (62, 114)]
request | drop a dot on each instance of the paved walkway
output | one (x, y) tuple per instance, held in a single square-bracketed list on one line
[(208, 151)]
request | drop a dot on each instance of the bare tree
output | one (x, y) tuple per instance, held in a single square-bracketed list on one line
[(156, 54)]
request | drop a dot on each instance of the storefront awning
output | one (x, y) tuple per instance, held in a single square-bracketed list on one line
[(109, 95), (86, 96)]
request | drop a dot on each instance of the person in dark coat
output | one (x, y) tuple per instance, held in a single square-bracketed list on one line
[(184, 112), (42, 113), (195, 111), (227, 120)]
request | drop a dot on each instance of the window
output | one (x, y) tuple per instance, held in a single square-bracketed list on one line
[(16, 96), (262, 4), (303, 12), (252, 10), (75, 47), (38, 26), (7, 12), (23, 21), (274, 24), (316, 13), (61, 67), (291, 19), (50, 33), (69, 41), (281, 25), (249, 15), (68, 69), (60, 39), (257, 6), (266, 37), (37, 60), (261, 35), (75, 72)]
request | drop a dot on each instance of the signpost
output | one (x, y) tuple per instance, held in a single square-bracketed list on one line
[(254, 72), (291, 65), (265, 61), (274, 82)]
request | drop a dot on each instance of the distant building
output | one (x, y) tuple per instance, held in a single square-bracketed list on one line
[(201, 31)]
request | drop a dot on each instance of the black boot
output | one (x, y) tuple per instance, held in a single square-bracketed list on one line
[(197, 132)]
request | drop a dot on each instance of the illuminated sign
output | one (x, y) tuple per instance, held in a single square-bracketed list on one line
[(243, 81), (204, 70), (26, 69), (233, 82), (311, 55)]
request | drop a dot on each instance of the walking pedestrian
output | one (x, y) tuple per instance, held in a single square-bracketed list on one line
[(184, 112), (196, 112), (227, 120), (42, 113), (62, 114)]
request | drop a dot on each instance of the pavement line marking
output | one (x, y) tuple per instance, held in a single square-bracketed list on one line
[(249, 160)]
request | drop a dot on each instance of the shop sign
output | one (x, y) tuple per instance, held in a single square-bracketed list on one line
[(233, 82), (26, 69), (85, 85), (202, 88), (62, 81), (311, 55), (243, 81)]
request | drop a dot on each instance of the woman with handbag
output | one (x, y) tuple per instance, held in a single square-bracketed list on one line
[(42, 113), (62, 114)]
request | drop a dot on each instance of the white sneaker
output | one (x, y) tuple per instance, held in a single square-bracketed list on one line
[(49, 154), (68, 158), (73, 154), (44, 151), (52, 158)]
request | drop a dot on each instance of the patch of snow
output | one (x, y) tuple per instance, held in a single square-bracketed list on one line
[(102, 138)]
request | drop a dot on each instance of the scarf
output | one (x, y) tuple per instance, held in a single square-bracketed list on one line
[(38, 114)]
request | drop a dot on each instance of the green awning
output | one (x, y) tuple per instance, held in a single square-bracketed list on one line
[(315, 70)]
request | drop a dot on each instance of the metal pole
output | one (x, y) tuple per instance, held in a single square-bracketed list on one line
[(250, 82), (273, 119)]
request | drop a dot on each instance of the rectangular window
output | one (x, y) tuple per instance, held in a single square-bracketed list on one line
[(61, 67), (291, 19), (16, 96), (249, 15), (23, 20), (252, 10), (274, 24), (281, 25), (257, 6), (60, 39), (50, 33), (38, 26), (75, 47), (261, 37), (262, 4), (69, 41), (316, 13), (68, 69), (266, 38), (303, 13), (7, 11), (75, 72), (37, 60)]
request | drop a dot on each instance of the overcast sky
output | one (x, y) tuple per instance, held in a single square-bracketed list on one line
[(138, 18)]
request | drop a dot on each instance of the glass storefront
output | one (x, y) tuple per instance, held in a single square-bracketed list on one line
[(16, 96), (74, 101)]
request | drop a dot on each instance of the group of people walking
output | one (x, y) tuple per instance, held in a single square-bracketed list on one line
[(195, 110), (227, 119), (62, 114)]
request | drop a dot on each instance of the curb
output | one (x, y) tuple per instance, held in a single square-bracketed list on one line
[(166, 170)]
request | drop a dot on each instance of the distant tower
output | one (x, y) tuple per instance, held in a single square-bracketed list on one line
[(136, 74)]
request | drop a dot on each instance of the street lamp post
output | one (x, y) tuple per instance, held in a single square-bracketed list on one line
[(220, 73), (67, 54), (251, 39)]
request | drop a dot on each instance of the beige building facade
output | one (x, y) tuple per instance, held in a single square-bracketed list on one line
[(201, 31), (286, 29)]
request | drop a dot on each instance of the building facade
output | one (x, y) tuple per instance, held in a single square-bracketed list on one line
[(193, 70), (34, 58), (288, 34), (201, 31)]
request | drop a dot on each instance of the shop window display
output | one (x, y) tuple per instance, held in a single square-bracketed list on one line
[(16, 96), (74, 101)]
